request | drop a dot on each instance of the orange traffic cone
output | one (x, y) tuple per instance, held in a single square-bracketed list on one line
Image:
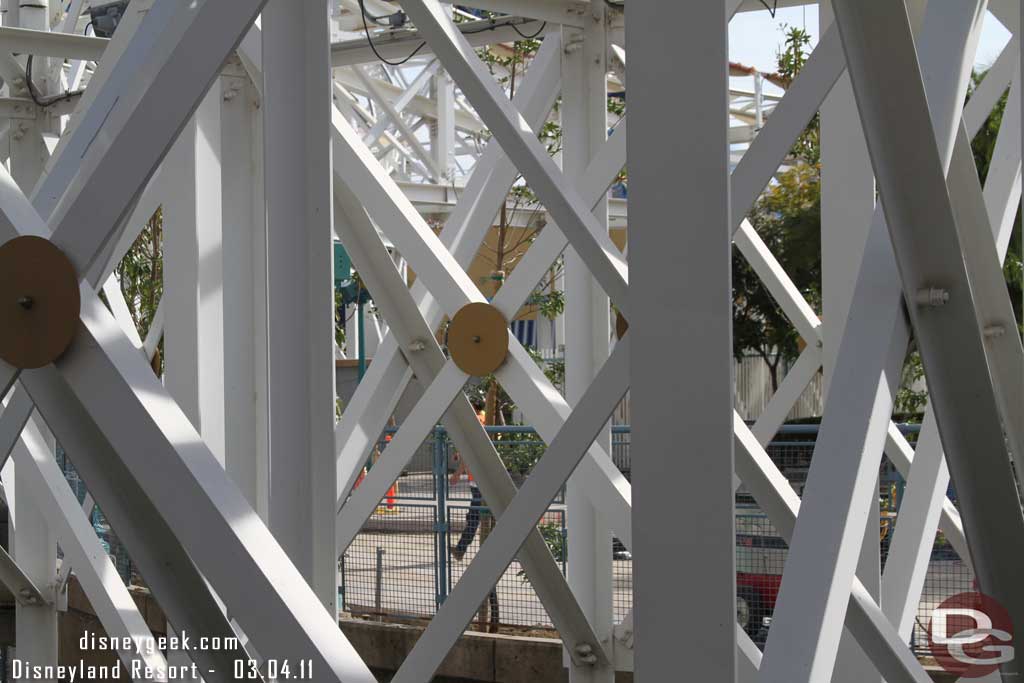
[(391, 497)]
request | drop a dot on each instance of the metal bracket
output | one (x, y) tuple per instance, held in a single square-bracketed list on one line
[(25, 592)]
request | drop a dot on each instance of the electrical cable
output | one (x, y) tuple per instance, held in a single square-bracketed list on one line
[(366, 29), (773, 9), (535, 34), (34, 94), (493, 26)]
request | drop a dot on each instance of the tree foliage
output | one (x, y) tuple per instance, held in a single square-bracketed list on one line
[(983, 146), (141, 274), (787, 217)]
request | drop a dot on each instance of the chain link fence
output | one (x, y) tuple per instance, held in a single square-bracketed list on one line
[(416, 545)]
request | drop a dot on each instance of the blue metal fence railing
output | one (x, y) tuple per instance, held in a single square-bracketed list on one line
[(111, 543), (418, 543)]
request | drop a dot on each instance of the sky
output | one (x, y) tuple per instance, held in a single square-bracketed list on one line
[(754, 37)]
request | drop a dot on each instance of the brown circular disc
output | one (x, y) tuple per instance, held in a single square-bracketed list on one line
[(39, 302), (621, 325), (478, 339)]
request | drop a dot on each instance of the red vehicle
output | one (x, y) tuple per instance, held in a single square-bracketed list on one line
[(760, 559)]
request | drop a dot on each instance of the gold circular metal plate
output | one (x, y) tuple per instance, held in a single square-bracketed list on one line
[(39, 302), (478, 339), (621, 325)]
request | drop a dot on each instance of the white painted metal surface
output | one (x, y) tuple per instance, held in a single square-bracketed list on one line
[(230, 479)]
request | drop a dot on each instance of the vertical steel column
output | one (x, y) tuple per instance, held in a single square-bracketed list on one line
[(34, 548), (847, 207), (33, 545), (443, 139), (245, 289), (584, 126), (681, 388), (300, 328), (194, 273), (193, 280)]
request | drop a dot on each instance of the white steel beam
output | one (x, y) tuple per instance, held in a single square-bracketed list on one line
[(103, 586), (417, 104), (788, 120), (45, 43), (805, 646), (847, 207), (445, 383), (585, 129), (292, 623), (194, 274), (522, 146), (104, 390), (108, 82), (245, 291), (399, 104), (140, 125), (563, 454), (1003, 183), (991, 88), (394, 117), (33, 544), (683, 317), (788, 393), (374, 400), (300, 325), (952, 344), (443, 136), (542, 404), (21, 585), (864, 618)]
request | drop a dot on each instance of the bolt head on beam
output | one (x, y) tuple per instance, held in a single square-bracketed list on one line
[(478, 339), (39, 302)]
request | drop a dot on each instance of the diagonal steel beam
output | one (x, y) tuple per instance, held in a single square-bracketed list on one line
[(445, 384), (542, 404), (992, 87), (8, 376), (143, 460), (103, 586), (26, 593), (805, 646), (563, 454), (16, 413), (789, 118), (394, 116), (135, 440), (928, 244), (464, 230), (194, 41), (564, 204), (876, 636)]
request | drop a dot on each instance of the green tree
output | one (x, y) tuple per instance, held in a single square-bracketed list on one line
[(141, 274), (788, 218), (983, 146)]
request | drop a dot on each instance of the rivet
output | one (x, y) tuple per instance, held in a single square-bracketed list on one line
[(26, 302)]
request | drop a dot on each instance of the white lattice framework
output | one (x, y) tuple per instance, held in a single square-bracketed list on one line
[(230, 481)]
